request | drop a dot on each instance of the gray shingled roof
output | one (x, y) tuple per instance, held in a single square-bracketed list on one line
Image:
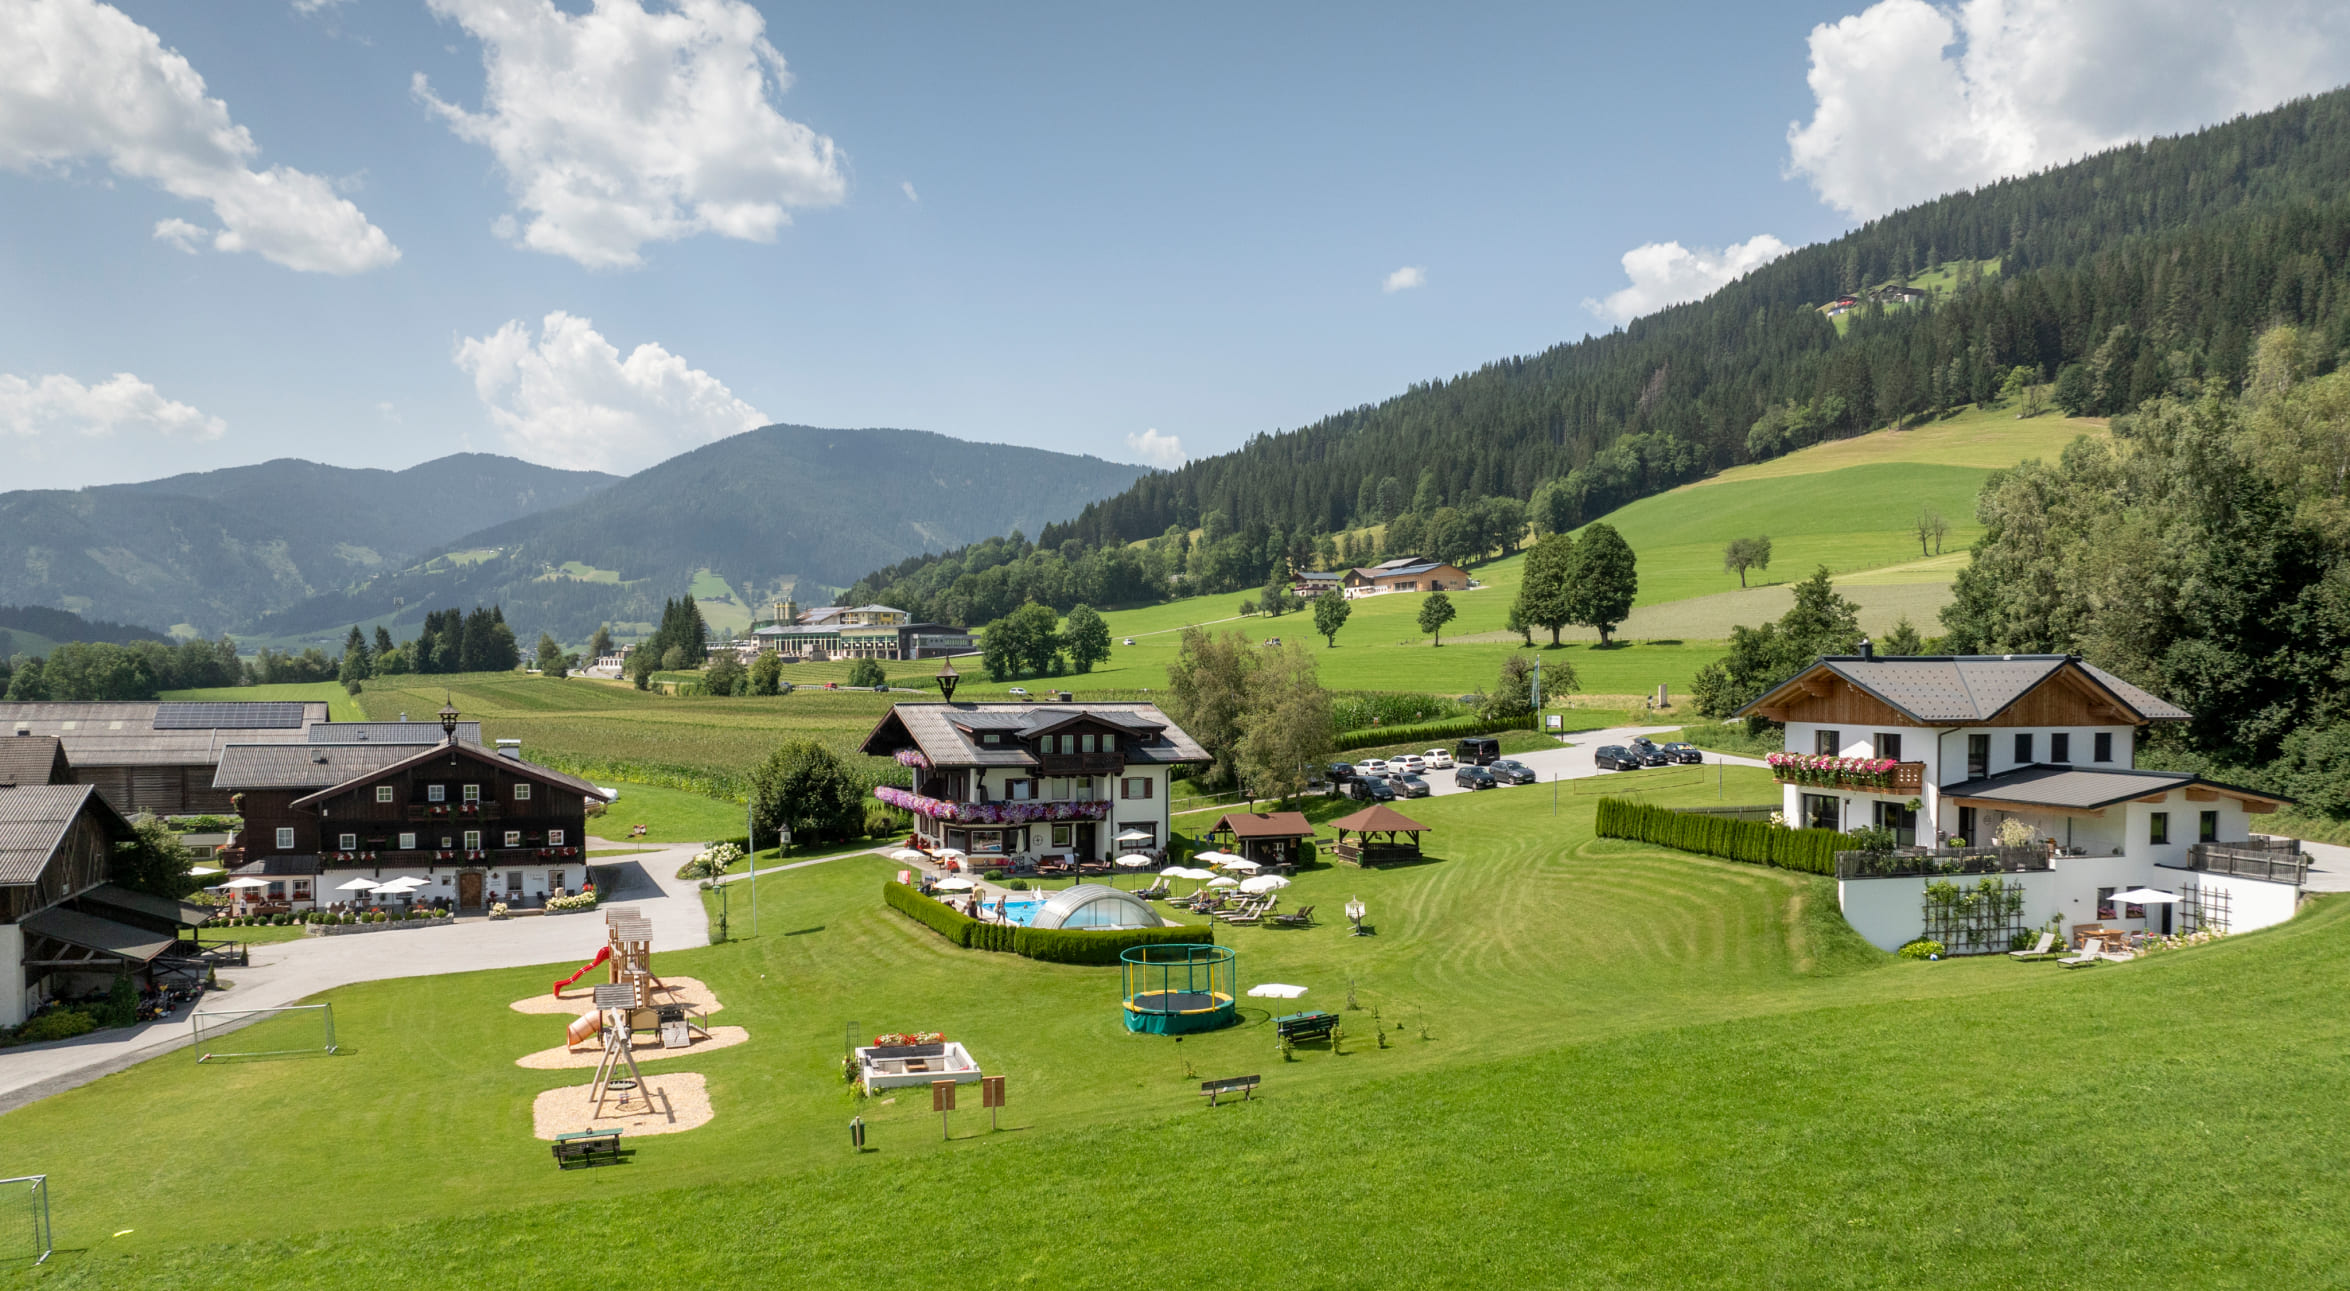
[(33, 819), (303, 766), (293, 864), (2053, 786), (103, 935), (99, 733), (389, 732), (148, 904), (1973, 688), (30, 759), (404, 755), (933, 729)]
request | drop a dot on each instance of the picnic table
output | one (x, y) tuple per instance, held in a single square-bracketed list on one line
[(584, 1146), (1313, 1024)]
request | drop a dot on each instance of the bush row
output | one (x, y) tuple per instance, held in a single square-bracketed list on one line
[(1051, 945), (1451, 729), (1812, 851)]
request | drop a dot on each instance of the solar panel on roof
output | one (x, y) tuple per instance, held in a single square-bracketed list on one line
[(230, 715)]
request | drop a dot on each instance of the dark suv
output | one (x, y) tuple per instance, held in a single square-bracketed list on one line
[(1470, 776), (1341, 772), (1684, 752), (1370, 789), (1479, 750), (1510, 771), (1615, 757), (1649, 754)]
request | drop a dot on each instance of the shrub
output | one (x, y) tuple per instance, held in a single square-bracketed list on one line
[(1922, 948), (57, 1024), (1052, 945), (994, 876), (1018, 885), (576, 901), (1812, 851), (1431, 731)]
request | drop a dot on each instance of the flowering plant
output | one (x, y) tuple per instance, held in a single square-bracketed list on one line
[(989, 813), (895, 1039), (1823, 769), (913, 758)]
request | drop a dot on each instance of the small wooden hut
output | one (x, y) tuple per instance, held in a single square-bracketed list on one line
[(1377, 835), (1268, 837)]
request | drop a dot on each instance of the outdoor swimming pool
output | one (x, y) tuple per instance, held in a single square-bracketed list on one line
[(1020, 912)]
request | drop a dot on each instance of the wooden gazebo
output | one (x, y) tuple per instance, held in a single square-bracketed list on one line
[(1379, 835), (1270, 837)]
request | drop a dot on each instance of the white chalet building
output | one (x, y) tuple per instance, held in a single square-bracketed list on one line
[(1944, 750)]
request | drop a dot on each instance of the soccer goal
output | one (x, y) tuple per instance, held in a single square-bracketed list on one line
[(286, 1032), (33, 1189)]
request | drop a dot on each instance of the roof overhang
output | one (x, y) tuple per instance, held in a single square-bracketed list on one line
[(471, 752)]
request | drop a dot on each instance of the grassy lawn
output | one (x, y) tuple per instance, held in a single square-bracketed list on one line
[(340, 704), (1616, 1067), (668, 815)]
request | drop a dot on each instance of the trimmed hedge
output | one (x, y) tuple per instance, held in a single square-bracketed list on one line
[(1812, 851), (1449, 729), (1050, 945)]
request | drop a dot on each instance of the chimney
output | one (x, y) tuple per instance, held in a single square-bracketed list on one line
[(1868, 650), (510, 749)]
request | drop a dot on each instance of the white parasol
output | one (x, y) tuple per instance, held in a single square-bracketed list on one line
[(1264, 883), (1133, 862), (246, 883), (404, 883), (1221, 881), (357, 885), (1213, 857), (907, 854), (205, 871), (954, 883), (1277, 991), (1137, 836), (1243, 864), (2143, 896)]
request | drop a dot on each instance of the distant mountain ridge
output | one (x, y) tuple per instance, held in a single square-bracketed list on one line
[(772, 508), (218, 549)]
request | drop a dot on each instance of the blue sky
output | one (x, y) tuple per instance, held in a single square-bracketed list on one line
[(1062, 226)]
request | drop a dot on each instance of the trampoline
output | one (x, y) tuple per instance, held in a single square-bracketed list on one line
[(1179, 988)]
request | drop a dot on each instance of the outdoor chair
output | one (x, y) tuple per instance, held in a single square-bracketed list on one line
[(1299, 918), (2092, 950), (2039, 948)]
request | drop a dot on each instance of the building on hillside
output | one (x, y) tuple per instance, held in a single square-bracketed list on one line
[(898, 641), (158, 755), (1953, 754), (33, 759), (1897, 295), (1081, 782), (478, 825), (1405, 574), (1314, 582), (56, 845)]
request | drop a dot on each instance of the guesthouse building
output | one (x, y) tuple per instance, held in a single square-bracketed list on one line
[(1405, 574), (2022, 768), (1064, 781)]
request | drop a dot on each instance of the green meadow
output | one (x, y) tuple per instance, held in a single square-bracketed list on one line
[(1565, 1062)]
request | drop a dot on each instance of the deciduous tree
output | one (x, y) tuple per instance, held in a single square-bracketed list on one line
[(1602, 581), (1436, 610)]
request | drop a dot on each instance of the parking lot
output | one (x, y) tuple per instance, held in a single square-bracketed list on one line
[(1572, 760)]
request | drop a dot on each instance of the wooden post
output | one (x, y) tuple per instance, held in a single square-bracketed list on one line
[(991, 1097), (942, 1101)]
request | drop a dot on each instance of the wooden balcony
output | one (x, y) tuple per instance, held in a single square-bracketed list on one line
[(1052, 764), (1906, 778)]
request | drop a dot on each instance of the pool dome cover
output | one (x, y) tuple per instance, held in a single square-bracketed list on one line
[(1094, 905)]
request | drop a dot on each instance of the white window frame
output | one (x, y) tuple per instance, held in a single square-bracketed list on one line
[(522, 791), (473, 840), (436, 793), (554, 838), (285, 838), (350, 843), (513, 838), (473, 793), (383, 793), (407, 842)]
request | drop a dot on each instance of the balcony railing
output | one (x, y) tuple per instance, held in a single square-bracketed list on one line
[(1912, 862), (2278, 860), (1080, 763), (422, 811), (1016, 812), (1868, 775)]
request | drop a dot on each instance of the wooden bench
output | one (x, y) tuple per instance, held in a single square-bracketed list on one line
[(584, 1146), (1315, 1025), (1241, 1085)]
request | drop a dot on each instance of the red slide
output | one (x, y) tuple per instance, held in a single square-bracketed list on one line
[(584, 970)]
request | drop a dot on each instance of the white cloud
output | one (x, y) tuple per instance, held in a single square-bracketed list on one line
[(1155, 448), (80, 81), (1404, 279), (1667, 273), (179, 233), (619, 126), (908, 186), (313, 6), (570, 399), (122, 401), (1913, 100)]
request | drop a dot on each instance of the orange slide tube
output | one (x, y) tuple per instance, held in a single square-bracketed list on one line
[(584, 970)]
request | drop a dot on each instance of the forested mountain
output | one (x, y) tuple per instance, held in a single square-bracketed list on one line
[(219, 549), (2140, 272), (766, 510)]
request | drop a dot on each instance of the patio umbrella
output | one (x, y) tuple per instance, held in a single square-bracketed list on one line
[(1222, 882), (1355, 911), (246, 883), (357, 885), (954, 883), (405, 885), (907, 854), (1277, 991), (1136, 836), (1134, 862), (1243, 864), (1264, 883), (2144, 896), (205, 871)]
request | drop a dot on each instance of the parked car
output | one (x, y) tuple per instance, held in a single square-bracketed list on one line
[(1409, 764), (1684, 752), (1128, 641), (1472, 776), (1410, 786), (1021, 691), (1341, 772), (1439, 760), (1649, 754), (1615, 757), (1371, 766), (1511, 771), (1370, 789), (1272, 641), (1479, 749)]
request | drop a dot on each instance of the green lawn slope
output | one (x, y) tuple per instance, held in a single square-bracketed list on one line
[(1603, 1065)]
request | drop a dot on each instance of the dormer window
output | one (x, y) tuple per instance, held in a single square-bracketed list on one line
[(990, 737)]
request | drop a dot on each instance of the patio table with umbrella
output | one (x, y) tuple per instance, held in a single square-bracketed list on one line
[(358, 885), (241, 887), (1133, 861), (1264, 883), (2143, 897), (1242, 865)]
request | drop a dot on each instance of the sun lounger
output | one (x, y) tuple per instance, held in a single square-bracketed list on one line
[(1298, 919), (2092, 950), (2039, 948)]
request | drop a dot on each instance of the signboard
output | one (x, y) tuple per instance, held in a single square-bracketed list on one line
[(991, 1091), (942, 1095), (1554, 722)]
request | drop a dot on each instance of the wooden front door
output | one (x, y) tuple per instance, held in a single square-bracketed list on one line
[(469, 890), (1086, 844)]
